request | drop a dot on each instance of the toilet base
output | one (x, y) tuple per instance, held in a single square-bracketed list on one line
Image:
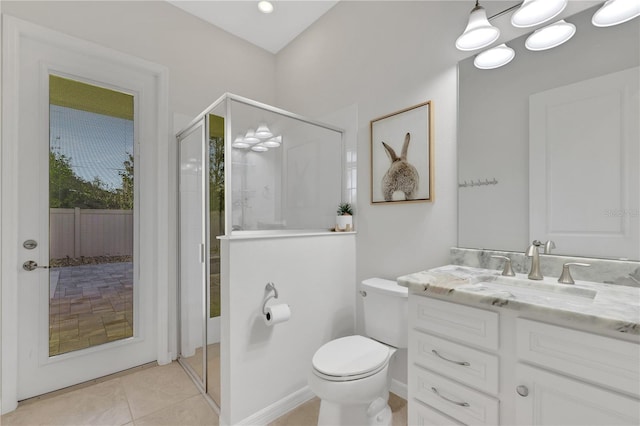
[(377, 413)]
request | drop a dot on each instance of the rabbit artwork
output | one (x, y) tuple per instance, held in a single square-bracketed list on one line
[(401, 175)]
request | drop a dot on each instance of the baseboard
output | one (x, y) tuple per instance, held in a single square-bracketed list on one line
[(279, 408), (399, 388)]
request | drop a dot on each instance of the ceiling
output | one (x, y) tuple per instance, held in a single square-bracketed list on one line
[(274, 31), (242, 18)]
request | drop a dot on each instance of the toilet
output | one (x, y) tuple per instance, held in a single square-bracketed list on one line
[(350, 375)]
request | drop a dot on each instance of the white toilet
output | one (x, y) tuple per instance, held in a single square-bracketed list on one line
[(350, 375)]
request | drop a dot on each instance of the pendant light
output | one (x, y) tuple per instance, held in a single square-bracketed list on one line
[(614, 12), (274, 142), (479, 32), (239, 142), (259, 148), (550, 36), (250, 137), (535, 12), (494, 57), (263, 131)]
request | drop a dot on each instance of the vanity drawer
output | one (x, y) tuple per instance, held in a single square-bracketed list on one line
[(610, 362), (423, 415), (466, 365), (460, 402), (459, 322)]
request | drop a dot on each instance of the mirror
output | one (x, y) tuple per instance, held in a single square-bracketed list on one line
[(600, 185)]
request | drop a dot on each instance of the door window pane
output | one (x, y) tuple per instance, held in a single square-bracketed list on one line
[(91, 202)]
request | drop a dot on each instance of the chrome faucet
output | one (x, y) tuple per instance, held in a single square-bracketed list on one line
[(534, 253)]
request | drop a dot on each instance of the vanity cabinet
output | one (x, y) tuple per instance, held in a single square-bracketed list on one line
[(476, 366)]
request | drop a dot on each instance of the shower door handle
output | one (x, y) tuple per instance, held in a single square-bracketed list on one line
[(31, 265)]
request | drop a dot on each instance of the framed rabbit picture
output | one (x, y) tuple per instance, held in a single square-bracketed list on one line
[(402, 156)]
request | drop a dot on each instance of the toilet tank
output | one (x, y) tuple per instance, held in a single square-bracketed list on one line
[(385, 311)]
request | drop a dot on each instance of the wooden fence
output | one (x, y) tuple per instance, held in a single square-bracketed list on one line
[(79, 232)]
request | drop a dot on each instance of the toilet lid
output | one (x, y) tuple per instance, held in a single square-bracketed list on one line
[(350, 356)]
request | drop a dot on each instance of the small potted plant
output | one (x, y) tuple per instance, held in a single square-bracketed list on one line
[(344, 218)]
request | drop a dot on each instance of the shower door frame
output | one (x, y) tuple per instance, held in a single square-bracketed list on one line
[(203, 384)]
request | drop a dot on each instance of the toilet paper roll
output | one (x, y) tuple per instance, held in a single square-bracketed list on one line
[(277, 314)]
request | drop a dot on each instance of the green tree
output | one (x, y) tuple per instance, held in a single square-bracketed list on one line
[(67, 190), (126, 192)]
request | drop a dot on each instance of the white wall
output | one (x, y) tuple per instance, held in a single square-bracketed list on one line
[(203, 61), (314, 276), (383, 57)]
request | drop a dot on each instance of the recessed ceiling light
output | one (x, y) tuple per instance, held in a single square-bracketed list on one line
[(265, 6)]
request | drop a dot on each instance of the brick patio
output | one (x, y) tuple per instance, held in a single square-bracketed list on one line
[(92, 305)]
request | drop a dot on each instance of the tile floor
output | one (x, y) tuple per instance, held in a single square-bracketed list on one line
[(156, 395), (213, 369), (92, 304)]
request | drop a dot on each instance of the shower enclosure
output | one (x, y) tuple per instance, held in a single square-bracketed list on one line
[(245, 170)]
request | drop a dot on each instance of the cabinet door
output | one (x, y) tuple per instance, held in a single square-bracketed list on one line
[(553, 400)]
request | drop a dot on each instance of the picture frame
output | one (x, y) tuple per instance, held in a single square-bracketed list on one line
[(402, 156)]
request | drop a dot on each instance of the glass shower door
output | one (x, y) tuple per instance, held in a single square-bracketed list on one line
[(192, 254)]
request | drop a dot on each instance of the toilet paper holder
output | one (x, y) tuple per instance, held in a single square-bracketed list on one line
[(272, 292)]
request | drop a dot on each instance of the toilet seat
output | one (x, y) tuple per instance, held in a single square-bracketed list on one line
[(350, 358)]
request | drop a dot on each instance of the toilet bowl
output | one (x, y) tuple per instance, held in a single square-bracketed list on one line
[(350, 375)]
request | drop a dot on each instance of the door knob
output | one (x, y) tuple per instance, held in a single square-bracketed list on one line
[(31, 265), (522, 390)]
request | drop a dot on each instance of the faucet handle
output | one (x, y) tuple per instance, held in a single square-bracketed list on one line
[(548, 246), (566, 277), (507, 271)]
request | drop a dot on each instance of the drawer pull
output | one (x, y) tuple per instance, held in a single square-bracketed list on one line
[(463, 363), (462, 404)]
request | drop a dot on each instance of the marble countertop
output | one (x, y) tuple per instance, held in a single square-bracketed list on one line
[(600, 306)]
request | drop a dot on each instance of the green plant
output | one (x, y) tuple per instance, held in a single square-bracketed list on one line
[(345, 209)]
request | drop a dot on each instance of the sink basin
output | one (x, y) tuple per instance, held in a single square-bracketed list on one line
[(517, 288)]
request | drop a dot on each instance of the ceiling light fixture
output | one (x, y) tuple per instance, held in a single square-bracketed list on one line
[(250, 137), (265, 6), (535, 12), (274, 142), (263, 131), (479, 32), (259, 148), (550, 36), (239, 142), (614, 12), (494, 57)]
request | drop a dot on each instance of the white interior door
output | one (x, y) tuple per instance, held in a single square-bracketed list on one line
[(116, 288), (584, 152)]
